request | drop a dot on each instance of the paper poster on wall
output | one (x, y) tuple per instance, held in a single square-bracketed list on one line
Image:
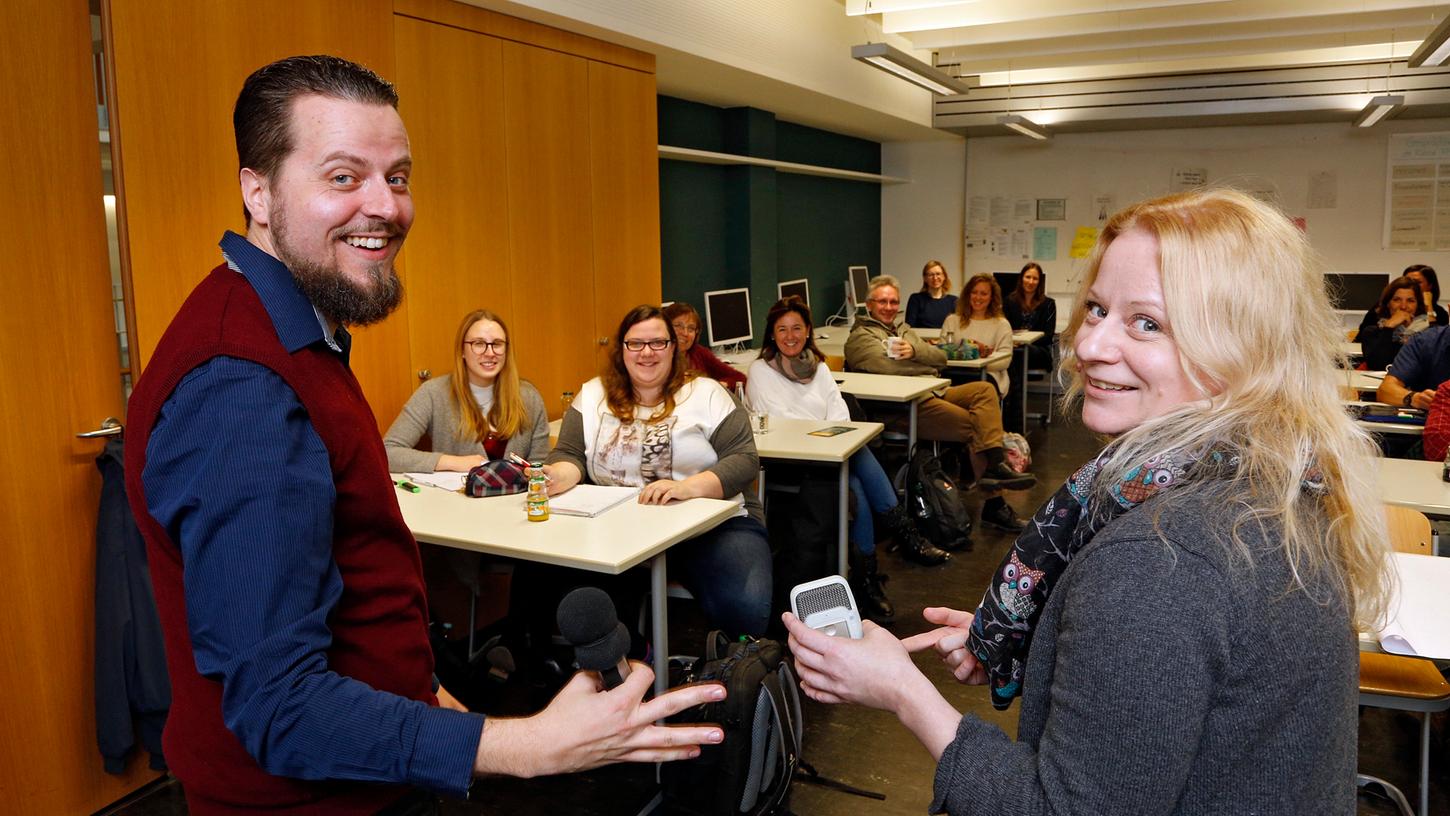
[(1187, 178), (1083, 241), (1001, 212), (977, 214), (1105, 204), (1417, 192), (1051, 209), (1324, 190), (1044, 243), (1019, 243), (1022, 210)]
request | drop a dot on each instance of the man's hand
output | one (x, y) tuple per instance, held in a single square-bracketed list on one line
[(585, 727), (950, 642), (1422, 399), (905, 351)]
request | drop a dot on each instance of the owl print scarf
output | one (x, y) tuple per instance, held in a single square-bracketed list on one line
[(1001, 633)]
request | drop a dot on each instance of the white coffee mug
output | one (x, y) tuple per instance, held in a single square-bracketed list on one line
[(893, 347)]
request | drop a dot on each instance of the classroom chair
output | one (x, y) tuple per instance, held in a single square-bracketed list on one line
[(1404, 683)]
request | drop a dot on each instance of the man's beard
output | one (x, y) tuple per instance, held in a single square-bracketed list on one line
[(336, 297)]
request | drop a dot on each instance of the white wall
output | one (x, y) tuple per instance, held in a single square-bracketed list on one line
[(1134, 165), (922, 219)]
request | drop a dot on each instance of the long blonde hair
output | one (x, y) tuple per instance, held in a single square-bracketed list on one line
[(507, 415), (1258, 338)]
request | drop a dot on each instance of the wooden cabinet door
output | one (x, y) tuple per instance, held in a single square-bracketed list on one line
[(59, 375), (551, 233), (457, 256), (624, 193)]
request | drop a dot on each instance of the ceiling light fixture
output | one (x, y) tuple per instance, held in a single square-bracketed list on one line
[(1435, 49), (1025, 126), (911, 69), (1377, 109)]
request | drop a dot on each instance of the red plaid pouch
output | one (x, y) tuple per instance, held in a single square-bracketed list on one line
[(497, 477)]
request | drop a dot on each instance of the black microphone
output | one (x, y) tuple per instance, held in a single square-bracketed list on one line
[(588, 621)]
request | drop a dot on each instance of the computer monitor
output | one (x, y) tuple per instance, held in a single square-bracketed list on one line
[(1007, 280), (1355, 291), (727, 316), (859, 277), (800, 288)]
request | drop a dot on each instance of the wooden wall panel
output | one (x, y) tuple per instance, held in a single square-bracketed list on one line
[(546, 94), (624, 193), (451, 86), (178, 67), (482, 21), (59, 367)]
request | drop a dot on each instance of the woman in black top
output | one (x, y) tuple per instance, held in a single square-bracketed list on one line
[(1398, 316), (1029, 308)]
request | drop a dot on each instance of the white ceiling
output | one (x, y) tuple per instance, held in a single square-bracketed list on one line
[(1079, 65), (1074, 65)]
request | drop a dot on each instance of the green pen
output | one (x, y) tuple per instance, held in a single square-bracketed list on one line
[(408, 486)]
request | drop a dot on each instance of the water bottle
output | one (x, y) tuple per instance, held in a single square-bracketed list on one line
[(536, 503), (740, 395)]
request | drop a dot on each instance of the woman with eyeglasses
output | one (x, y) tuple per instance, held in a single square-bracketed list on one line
[(647, 422), (686, 322), (481, 411)]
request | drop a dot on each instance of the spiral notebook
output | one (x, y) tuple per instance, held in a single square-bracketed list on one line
[(589, 500)]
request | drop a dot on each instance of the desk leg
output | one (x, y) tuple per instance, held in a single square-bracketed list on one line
[(911, 429), (660, 628), (842, 539), (1023, 389)]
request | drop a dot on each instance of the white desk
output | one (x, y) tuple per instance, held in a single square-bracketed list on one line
[(890, 388), (1401, 428), (621, 538), (790, 439), (1364, 380), (1415, 483), (1351, 350)]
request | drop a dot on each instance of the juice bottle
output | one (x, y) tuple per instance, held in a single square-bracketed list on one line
[(536, 502)]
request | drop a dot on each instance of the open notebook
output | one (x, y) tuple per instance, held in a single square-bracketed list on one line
[(590, 500), (1420, 609)]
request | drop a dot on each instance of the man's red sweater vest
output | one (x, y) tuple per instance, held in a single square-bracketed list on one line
[(379, 627)]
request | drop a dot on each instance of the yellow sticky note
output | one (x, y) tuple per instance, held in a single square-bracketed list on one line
[(1082, 242)]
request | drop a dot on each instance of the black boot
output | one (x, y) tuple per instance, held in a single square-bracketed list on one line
[(913, 546), (869, 586)]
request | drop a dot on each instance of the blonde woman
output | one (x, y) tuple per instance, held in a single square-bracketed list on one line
[(479, 412), (929, 307), (1190, 596), (978, 320)]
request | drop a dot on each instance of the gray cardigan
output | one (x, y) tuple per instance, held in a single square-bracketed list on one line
[(430, 411), (734, 444), (1167, 678)]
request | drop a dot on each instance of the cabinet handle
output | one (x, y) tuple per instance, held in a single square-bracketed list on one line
[(110, 426), (424, 374)]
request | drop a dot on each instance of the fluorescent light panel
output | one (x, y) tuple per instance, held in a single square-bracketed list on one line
[(1435, 49), (903, 65), (1025, 126), (1377, 109)]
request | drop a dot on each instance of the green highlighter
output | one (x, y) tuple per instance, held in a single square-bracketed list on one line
[(408, 486)]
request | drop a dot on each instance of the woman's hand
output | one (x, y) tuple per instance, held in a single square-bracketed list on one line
[(982, 348), (874, 671), (561, 476), (665, 491), (460, 464), (949, 641)]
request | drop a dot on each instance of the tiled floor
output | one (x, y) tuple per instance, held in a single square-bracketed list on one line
[(869, 749)]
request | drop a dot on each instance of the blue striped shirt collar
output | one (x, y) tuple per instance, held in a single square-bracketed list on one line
[(297, 321)]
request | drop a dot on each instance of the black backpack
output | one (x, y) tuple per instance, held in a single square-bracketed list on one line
[(750, 771), (935, 503)]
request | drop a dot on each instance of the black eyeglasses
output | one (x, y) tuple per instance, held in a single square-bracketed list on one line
[(480, 346), (658, 344)]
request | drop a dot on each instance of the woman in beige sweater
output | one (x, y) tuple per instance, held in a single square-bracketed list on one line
[(979, 320)]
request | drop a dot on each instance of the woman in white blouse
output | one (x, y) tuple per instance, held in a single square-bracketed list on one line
[(979, 320), (791, 380)]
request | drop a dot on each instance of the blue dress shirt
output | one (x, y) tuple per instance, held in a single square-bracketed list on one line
[(240, 480), (1424, 362)]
